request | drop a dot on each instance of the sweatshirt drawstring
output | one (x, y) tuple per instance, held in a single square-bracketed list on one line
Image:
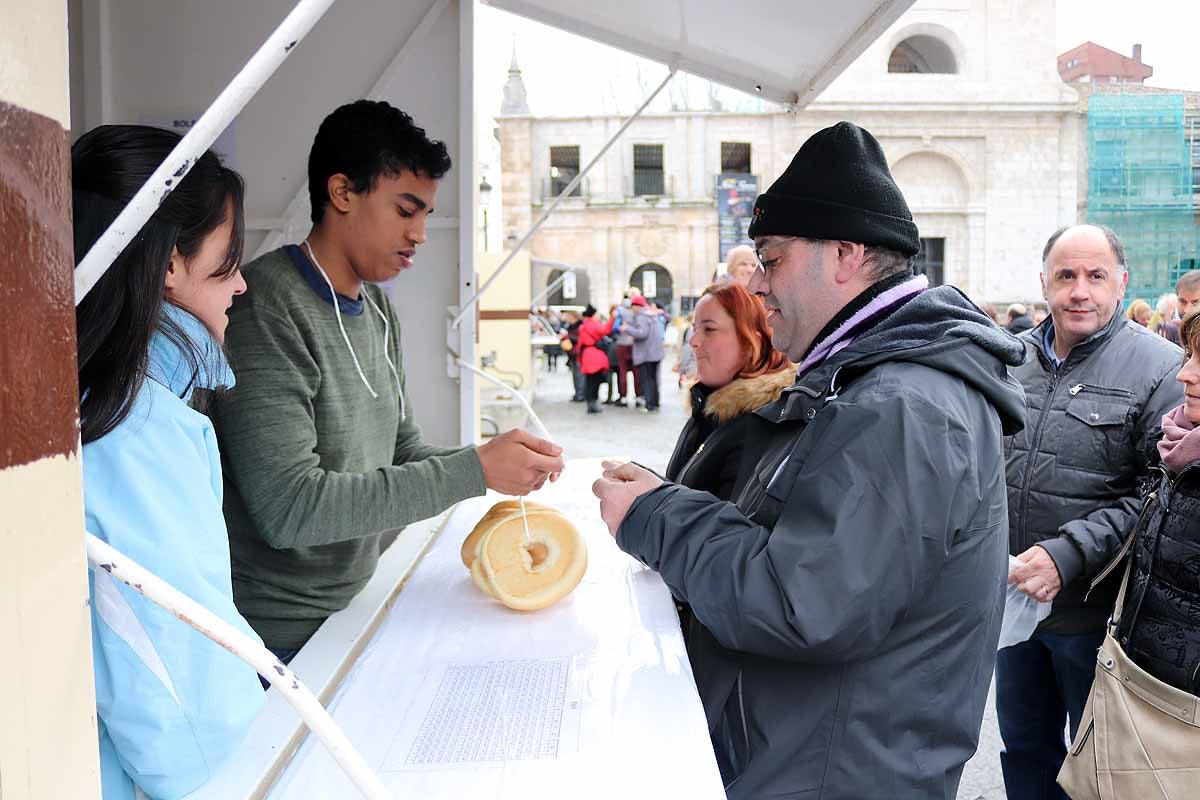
[(386, 357), (345, 338)]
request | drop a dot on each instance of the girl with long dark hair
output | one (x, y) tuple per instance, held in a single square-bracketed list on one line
[(171, 704)]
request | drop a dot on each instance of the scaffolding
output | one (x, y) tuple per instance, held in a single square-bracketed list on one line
[(1140, 185)]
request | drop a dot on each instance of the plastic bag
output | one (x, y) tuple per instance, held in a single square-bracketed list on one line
[(1021, 612)]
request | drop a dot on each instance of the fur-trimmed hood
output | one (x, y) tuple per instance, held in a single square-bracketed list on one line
[(742, 395)]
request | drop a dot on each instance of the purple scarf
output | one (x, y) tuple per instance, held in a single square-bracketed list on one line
[(1180, 444), (863, 320)]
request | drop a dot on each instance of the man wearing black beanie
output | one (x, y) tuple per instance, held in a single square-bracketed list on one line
[(847, 608)]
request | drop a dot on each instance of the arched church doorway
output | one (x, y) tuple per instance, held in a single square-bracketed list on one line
[(573, 291), (654, 282)]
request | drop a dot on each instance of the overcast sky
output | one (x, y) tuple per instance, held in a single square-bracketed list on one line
[(1168, 31), (566, 74)]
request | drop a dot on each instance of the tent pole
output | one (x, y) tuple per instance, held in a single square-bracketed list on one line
[(228, 104), (565, 193)]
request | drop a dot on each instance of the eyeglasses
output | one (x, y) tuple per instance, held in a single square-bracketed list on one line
[(766, 264)]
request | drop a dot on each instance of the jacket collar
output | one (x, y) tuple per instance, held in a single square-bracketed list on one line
[(1037, 336), (171, 367), (740, 396)]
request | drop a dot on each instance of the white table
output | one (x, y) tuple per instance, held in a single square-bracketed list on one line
[(456, 696)]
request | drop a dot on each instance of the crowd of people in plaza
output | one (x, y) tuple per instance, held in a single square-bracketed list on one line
[(863, 455), (626, 348), (613, 350)]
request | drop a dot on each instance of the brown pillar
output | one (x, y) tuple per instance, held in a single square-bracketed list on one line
[(48, 745)]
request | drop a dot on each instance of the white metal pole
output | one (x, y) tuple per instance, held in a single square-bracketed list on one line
[(206, 130), (466, 308), (549, 290), (104, 556), (538, 427)]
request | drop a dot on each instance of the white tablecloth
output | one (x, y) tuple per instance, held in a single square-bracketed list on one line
[(460, 697)]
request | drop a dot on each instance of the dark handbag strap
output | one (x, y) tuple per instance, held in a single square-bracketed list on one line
[(1115, 619), (1125, 545)]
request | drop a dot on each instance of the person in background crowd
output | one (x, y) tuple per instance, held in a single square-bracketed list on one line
[(624, 342), (1187, 298), (1018, 319), (171, 705), (850, 600), (1165, 309), (686, 364), (1040, 312), (570, 345), (741, 263), (1139, 311), (593, 355), (660, 314), (1159, 627), (1097, 386), (647, 348), (609, 344), (1187, 292)]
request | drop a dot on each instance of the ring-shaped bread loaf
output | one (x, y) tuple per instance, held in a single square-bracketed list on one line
[(526, 572), (505, 508)]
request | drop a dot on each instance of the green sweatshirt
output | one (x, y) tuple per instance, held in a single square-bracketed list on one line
[(315, 468)]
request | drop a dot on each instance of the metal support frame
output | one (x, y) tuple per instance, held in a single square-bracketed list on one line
[(228, 104), (462, 338), (538, 427), (565, 193), (103, 556), (567, 269)]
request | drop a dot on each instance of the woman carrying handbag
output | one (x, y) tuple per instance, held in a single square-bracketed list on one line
[(1139, 737)]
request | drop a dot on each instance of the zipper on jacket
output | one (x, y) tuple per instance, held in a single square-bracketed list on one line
[(1100, 390), (1034, 447), (742, 713)]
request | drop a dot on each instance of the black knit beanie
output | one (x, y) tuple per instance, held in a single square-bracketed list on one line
[(838, 187)]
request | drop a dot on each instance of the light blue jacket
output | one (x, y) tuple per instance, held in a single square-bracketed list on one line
[(172, 705)]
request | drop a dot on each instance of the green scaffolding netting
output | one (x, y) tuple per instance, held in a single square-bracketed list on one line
[(1140, 185)]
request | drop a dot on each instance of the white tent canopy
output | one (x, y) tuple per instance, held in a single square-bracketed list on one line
[(782, 50)]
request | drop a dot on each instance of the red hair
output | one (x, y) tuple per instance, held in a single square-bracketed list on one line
[(750, 325)]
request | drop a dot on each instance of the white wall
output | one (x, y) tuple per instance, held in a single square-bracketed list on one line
[(150, 61)]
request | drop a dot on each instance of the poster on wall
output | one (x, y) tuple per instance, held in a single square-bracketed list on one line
[(224, 146), (735, 209), (650, 283)]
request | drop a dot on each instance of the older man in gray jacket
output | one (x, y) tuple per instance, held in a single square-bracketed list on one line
[(849, 603), (1097, 386)]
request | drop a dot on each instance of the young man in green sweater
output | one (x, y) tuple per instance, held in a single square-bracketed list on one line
[(320, 451)]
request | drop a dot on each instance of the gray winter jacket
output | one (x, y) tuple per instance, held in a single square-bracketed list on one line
[(1075, 471), (647, 334), (850, 600), (625, 314)]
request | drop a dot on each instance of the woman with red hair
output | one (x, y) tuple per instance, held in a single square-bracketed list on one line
[(737, 371)]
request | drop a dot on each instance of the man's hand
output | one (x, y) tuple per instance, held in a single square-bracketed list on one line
[(517, 462), (618, 487), (1037, 576)]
